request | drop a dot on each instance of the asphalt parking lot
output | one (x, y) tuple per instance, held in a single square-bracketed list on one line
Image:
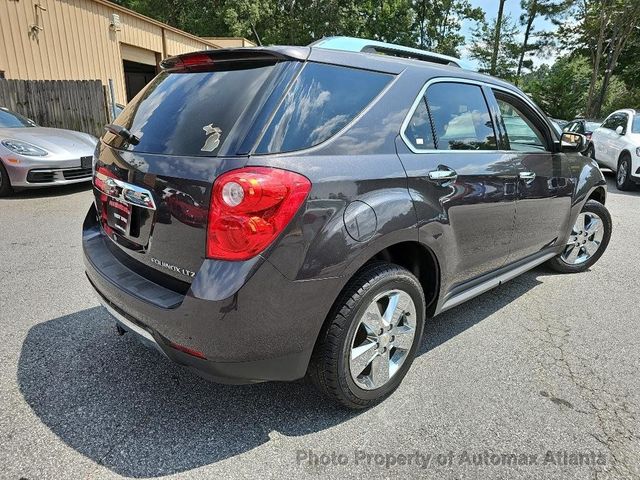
[(545, 363)]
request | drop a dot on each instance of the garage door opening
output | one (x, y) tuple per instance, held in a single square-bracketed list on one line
[(136, 76)]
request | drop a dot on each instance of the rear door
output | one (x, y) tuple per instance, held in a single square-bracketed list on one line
[(458, 177), (544, 186)]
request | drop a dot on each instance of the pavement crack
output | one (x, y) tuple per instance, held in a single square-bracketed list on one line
[(614, 419)]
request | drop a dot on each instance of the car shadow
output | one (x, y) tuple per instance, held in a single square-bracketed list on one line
[(129, 409), (46, 192)]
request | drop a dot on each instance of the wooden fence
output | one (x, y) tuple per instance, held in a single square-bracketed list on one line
[(71, 104)]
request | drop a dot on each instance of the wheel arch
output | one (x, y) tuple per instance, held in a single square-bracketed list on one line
[(416, 257), (420, 260), (623, 153), (599, 194)]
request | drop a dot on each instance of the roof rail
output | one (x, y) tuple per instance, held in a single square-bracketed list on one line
[(351, 44)]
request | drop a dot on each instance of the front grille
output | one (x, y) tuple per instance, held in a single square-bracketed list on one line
[(75, 173), (40, 176), (48, 175)]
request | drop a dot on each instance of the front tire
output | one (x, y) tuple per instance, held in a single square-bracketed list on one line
[(623, 174), (588, 240), (5, 182), (371, 337)]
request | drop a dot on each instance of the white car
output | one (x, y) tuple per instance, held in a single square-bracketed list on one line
[(616, 145)]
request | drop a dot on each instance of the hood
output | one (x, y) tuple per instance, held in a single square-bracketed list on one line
[(54, 140)]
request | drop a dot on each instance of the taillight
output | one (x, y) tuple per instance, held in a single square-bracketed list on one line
[(249, 208), (187, 62)]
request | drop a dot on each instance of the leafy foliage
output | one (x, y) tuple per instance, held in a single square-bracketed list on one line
[(431, 24), (599, 39), (482, 47)]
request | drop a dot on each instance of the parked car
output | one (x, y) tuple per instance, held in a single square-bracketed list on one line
[(556, 126), (332, 220), (559, 122), (33, 156), (584, 127), (616, 145)]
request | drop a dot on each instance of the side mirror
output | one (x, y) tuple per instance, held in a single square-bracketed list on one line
[(572, 142), (619, 130)]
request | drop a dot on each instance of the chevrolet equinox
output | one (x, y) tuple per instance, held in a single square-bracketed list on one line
[(281, 212)]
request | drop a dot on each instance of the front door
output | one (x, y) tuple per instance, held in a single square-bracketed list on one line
[(545, 184), (462, 185)]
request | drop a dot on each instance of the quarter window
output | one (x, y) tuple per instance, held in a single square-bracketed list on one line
[(321, 101), (419, 131), (460, 117)]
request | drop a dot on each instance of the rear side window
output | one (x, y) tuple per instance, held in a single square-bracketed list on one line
[(460, 117), (190, 114), (321, 101)]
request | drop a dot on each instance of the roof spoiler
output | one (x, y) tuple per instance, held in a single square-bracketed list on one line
[(207, 58), (351, 44)]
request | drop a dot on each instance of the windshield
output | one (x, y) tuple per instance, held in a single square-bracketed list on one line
[(635, 127), (13, 120)]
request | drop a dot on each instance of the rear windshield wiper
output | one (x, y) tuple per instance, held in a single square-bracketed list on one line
[(122, 132)]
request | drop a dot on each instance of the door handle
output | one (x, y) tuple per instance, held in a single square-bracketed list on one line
[(444, 175), (528, 177)]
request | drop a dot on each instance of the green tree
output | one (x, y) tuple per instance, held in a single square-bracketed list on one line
[(503, 62), (601, 29), (497, 38), (437, 23), (532, 9), (561, 89)]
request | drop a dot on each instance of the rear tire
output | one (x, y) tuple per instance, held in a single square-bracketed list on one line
[(354, 365), (623, 174), (588, 240), (5, 182)]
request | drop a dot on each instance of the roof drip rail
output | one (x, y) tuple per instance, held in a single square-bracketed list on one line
[(351, 44)]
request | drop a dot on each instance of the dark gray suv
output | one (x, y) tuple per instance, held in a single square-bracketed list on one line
[(270, 213)]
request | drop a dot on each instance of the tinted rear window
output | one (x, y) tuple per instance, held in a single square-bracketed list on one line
[(190, 113), (322, 100)]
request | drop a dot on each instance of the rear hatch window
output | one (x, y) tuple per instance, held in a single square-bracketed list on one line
[(321, 101), (190, 113)]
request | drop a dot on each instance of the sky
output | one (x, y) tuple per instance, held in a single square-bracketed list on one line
[(512, 8)]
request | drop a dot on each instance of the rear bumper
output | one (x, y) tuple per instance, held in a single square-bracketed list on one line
[(250, 322)]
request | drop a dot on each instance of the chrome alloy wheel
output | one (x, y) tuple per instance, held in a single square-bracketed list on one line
[(382, 339), (585, 240), (622, 172)]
